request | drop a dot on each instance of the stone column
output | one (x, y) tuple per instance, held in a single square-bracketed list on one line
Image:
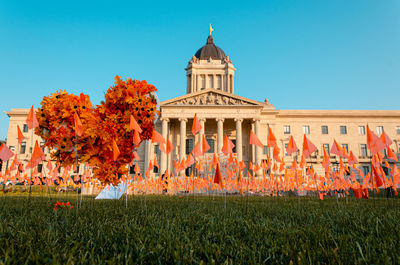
[(182, 148), (220, 134), (258, 149), (201, 133), (239, 151), (164, 132)]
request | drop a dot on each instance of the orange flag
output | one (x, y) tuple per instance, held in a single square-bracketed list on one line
[(31, 120), (170, 147), (228, 146), (276, 154), (136, 138), (5, 152), (302, 161), (291, 147), (157, 138), (49, 166), (196, 127), (205, 145), (37, 155), (326, 161), (151, 166), (352, 159), (189, 161), (254, 140), (271, 140), (20, 135), (115, 150), (385, 139), (215, 160), (391, 155), (155, 162), (196, 150), (78, 125), (336, 149), (308, 147), (374, 143), (133, 125)]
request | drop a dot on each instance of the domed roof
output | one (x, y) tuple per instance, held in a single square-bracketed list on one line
[(210, 50)]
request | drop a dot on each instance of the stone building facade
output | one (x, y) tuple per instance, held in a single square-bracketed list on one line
[(210, 95)]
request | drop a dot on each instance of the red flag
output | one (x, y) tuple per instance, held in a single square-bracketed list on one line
[(377, 179), (49, 166), (291, 147), (196, 127), (303, 161), (155, 162), (78, 125), (170, 147), (326, 161), (31, 120), (336, 149), (205, 145), (218, 175), (271, 140), (391, 155), (374, 143), (37, 156), (254, 140), (276, 154), (5, 152), (385, 139), (115, 150), (20, 135), (308, 147), (157, 138), (133, 125)]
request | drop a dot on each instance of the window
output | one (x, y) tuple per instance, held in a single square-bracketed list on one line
[(326, 146), (285, 149), (42, 146), (363, 150), (343, 129), (202, 82), (189, 146), (211, 144), (397, 129), (23, 148), (26, 129), (265, 150), (324, 129), (306, 129), (234, 148), (345, 146), (379, 130), (286, 129), (39, 168), (155, 169), (361, 130), (12, 148), (211, 81), (156, 149), (77, 170), (219, 82), (365, 170)]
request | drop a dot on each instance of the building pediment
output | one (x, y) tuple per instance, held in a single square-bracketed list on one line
[(211, 97)]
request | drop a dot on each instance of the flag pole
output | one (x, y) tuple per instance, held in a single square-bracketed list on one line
[(31, 150)]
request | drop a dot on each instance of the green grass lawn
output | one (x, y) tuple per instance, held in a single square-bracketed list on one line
[(182, 230)]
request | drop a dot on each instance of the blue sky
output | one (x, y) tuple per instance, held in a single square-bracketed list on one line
[(338, 54)]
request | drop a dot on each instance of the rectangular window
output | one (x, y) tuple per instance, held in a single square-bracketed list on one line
[(77, 170), (343, 129), (12, 148), (42, 146), (156, 149), (306, 129), (211, 144), (285, 149), (219, 82), (26, 128), (361, 130), (346, 146), (211, 81), (379, 130), (326, 146), (23, 148), (286, 129), (39, 168), (155, 169), (365, 170), (265, 150), (202, 82), (234, 149), (363, 150), (324, 129), (397, 129), (189, 146)]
